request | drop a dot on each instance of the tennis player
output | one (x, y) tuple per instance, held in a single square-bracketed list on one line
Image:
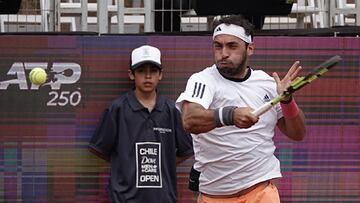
[(141, 134), (234, 150)]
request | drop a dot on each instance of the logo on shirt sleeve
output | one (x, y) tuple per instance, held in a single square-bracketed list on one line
[(148, 165), (199, 90)]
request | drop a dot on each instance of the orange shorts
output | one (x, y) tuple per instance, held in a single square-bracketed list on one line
[(260, 194)]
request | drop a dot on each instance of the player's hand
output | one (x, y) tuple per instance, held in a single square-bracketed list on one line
[(243, 118), (291, 75)]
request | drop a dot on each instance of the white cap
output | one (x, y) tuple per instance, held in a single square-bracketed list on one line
[(145, 54)]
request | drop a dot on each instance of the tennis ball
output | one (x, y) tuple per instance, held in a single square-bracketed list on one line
[(38, 76)]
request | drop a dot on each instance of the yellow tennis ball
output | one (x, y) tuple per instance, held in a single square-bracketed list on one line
[(38, 76)]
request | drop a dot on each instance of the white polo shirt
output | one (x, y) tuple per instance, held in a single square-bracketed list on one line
[(231, 159)]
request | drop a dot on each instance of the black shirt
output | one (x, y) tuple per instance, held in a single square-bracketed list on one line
[(143, 147)]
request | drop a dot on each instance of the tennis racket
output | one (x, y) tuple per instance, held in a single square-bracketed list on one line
[(299, 83)]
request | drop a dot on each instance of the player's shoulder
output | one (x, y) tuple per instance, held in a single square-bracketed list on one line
[(206, 73), (260, 74)]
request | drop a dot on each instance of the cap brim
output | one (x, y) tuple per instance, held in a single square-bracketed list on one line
[(144, 62)]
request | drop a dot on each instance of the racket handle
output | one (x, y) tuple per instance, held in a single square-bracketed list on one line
[(262, 109)]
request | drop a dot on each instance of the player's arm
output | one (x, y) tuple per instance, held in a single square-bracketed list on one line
[(196, 119), (293, 122), (294, 127)]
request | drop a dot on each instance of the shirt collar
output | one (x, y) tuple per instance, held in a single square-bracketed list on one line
[(248, 74), (137, 106)]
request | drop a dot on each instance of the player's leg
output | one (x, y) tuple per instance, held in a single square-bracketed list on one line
[(265, 192), (206, 199), (269, 194)]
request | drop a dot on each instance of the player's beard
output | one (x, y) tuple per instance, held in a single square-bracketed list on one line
[(231, 72)]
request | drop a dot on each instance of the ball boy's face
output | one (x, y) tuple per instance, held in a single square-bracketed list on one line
[(146, 77)]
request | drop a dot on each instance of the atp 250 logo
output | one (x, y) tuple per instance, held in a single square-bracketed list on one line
[(59, 74)]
